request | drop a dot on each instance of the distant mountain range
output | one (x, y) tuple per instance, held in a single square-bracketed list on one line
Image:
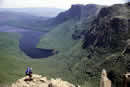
[(44, 12), (21, 20)]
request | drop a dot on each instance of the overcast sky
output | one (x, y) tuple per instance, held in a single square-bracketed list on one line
[(65, 4)]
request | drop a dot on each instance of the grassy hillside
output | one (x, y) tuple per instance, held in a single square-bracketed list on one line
[(55, 39), (14, 62), (70, 51), (9, 56)]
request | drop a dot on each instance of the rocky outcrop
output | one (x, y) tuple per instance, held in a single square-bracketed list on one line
[(105, 82), (39, 81)]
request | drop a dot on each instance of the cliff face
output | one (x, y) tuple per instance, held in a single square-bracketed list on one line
[(110, 28), (104, 38)]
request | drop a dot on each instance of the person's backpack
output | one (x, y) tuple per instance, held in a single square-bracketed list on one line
[(27, 71)]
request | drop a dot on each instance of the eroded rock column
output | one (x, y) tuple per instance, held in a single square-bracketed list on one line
[(105, 82)]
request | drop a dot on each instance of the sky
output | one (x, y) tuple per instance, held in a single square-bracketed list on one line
[(64, 4)]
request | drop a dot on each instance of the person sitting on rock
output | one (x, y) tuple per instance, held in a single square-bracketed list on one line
[(29, 73)]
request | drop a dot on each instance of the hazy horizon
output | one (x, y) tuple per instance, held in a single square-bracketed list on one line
[(64, 4)]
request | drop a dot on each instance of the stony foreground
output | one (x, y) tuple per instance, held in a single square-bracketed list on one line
[(39, 81)]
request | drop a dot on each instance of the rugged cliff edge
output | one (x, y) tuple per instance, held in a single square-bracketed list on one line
[(39, 81)]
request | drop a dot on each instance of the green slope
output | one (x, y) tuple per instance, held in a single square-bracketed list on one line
[(60, 38), (14, 62), (9, 57), (70, 51)]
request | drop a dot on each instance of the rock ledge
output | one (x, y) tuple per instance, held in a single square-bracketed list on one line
[(39, 81)]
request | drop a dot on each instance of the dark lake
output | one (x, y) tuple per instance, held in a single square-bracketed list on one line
[(29, 41), (28, 44)]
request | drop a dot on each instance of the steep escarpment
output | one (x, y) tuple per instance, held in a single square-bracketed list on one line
[(110, 26), (110, 22), (104, 39)]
